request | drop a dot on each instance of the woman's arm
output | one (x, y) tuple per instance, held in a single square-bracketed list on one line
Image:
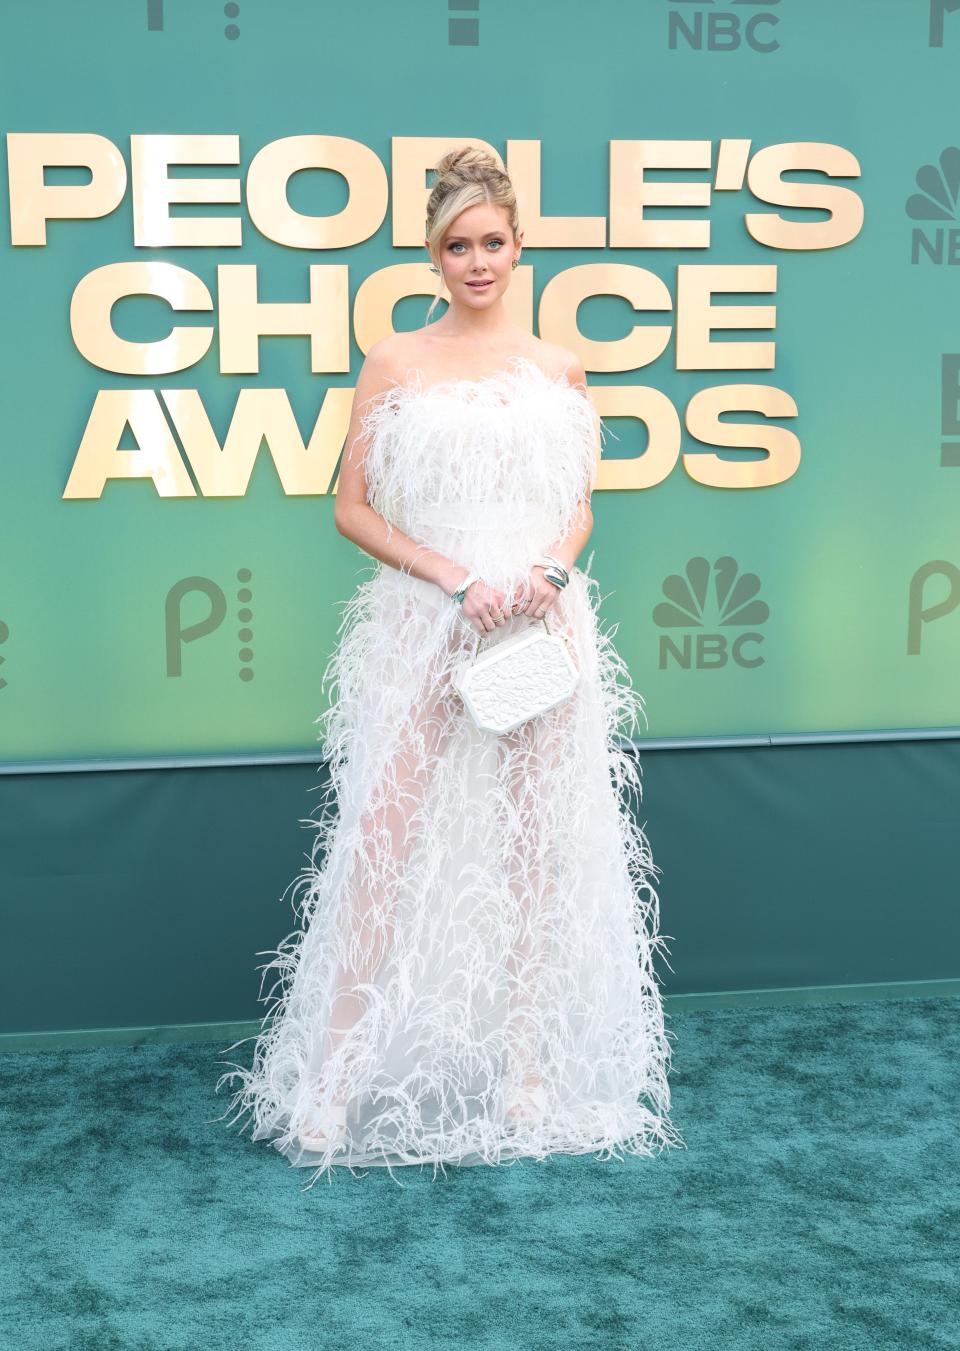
[(569, 549), (353, 515)]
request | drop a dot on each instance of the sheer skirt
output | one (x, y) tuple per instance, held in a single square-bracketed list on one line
[(478, 910)]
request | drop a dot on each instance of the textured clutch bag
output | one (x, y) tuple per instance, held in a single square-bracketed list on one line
[(517, 679)]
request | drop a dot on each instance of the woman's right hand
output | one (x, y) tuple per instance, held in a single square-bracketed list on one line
[(483, 606)]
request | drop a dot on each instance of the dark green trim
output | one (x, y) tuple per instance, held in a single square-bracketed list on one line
[(813, 994), (641, 744), (227, 1033)]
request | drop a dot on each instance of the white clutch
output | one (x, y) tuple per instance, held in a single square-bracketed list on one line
[(517, 679)]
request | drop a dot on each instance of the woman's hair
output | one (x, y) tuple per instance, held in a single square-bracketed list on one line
[(466, 177)]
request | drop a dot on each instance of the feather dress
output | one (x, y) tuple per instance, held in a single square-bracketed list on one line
[(476, 908)]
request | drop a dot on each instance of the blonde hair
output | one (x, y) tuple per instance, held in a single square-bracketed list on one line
[(465, 177)]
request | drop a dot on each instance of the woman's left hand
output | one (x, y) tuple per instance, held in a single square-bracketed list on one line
[(536, 597)]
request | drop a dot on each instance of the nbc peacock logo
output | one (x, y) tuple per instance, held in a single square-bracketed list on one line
[(934, 239), (705, 611)]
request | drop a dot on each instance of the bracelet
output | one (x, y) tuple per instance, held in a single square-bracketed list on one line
[(554, 570), (458, 596)]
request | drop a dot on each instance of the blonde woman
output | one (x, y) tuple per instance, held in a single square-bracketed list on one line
[(471, 979)]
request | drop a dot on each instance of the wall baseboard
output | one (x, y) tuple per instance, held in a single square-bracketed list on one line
[(233, 1033)]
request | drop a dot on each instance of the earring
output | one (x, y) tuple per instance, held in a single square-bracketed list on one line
[(515, 262), (434, 268)]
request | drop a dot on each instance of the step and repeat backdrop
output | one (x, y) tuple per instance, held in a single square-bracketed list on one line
[(742, 215)]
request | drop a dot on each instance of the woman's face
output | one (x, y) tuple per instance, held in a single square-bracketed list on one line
[(478, 247)]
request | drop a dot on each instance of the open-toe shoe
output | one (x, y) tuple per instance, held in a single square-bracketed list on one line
[(324, 1126)]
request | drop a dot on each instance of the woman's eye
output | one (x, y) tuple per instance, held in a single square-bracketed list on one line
[(454, 247)]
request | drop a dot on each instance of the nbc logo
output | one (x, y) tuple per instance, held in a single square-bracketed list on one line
[(936, 201), (733, 604)]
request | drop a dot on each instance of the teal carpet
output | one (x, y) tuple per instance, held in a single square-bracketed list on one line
[(817, 1205)]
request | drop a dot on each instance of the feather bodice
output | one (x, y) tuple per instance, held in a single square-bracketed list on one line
[(513, 451)]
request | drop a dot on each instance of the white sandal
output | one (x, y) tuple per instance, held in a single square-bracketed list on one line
[(326, 1126), (525, 1103)]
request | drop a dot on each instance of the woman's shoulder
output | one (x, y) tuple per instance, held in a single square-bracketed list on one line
[(393, 357), (557, 363), (384, 372), (564, 364), (390, 357)]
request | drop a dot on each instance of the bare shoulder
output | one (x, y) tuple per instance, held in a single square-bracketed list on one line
[(559, 362), (384, 366), (569, 365), (393, 356), (385, 357)]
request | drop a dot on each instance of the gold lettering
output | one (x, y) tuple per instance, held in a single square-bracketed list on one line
[(697, 318), (272, 168), (154, 191), (540, 231), (844, 205), (33, 202), (100, 457), (781, 444), (221, 471), (631, 192), (564, 293), (657, 413), (261, 415), (92, 330), (243, 318)]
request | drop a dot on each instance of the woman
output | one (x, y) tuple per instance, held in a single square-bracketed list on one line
[(472, 977)]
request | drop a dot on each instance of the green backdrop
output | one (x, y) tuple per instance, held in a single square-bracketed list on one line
[(858, 546)]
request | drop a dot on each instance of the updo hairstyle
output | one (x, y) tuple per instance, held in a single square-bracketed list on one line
[(465, 177)]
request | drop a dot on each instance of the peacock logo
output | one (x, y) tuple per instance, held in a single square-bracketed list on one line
[(934, 208), (938, 184), (693, 604)]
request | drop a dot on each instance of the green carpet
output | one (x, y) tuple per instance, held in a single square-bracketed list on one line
[(816, 1205)]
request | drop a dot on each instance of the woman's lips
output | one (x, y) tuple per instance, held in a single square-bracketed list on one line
[(480, 285)]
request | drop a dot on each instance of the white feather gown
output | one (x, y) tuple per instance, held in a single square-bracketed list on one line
[(476, 907)]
